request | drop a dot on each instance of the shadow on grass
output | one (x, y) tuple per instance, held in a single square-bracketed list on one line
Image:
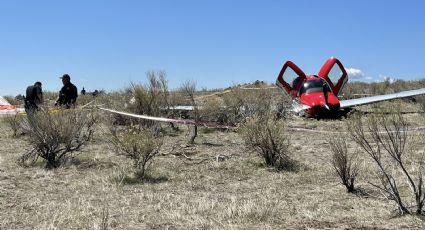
[(395, 213), (31, 159), (365, 193), (208, 130), (39, 163), (173, 132), (87, 163), (212, 144), (205, 130), (286, 166), (289, 166), (134, 180)]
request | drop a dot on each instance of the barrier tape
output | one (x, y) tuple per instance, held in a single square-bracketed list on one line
[(210, 124), (170, 120), (299, 129), (87, 104)]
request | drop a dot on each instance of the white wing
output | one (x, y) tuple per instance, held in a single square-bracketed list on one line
[(373, 99), (182, 107)]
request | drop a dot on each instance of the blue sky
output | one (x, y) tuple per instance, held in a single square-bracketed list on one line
[(107, 44)]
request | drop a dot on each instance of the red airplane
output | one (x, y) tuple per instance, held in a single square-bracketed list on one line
[(317, 95), (313, 95)]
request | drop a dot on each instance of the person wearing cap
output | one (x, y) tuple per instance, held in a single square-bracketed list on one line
[(33, 97), (68, 94)]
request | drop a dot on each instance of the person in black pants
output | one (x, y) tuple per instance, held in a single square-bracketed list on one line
[(33, 97)]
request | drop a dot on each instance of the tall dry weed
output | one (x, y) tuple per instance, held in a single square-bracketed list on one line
[(188, 89), (385, 140), (345, 164)]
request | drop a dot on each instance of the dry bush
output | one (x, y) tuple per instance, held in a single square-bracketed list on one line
[(248, 103), (14, 123), (188, 89), (421, 101), (16, 101), (384, 138), (140, 145), (234, 102), (344, 164), (212, 109), (118, 100), (85, 100), (377, 88), (152, 98), (238, 104), (50, 97), (267, 137), (54, 135), (227, 110), (355, 90)]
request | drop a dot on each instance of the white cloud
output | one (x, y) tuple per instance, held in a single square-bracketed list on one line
[(356, 74)]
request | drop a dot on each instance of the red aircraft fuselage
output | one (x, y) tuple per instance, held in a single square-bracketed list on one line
[(316, 95)]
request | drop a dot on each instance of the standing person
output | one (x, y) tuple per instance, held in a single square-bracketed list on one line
[(33, 97), (68, 94)]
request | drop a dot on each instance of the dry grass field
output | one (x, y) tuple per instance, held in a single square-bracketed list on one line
[(216, 183)]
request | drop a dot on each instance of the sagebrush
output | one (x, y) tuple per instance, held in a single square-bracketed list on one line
[(54, 135), (140, 145), (268, 138)]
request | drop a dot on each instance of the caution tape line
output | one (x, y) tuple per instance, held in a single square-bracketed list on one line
[(210, 124), (170, 120), (214, 125), (298, 129)]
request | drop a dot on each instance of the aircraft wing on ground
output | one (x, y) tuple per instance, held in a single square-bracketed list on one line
[(182, 107), (373, 99)]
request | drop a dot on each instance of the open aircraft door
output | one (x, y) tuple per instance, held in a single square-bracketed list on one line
[(335, 75), (290, 78)]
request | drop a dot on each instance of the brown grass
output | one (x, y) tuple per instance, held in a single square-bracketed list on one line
[(213, 184)]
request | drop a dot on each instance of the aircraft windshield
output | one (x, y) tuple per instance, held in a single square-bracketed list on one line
[(314, 86)]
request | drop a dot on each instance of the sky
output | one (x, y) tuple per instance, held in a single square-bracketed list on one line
[(105, 44)]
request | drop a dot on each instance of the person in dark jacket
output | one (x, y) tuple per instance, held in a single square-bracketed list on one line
[(33, 97), (68, 94)]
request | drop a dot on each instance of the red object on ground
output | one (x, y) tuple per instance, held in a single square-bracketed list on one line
[(315, 94)]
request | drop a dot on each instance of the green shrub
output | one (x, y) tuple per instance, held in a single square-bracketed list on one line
[(140, 145), (54, 135), (267, 137)]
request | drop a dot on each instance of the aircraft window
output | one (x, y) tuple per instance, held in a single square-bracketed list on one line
[(290, 76), (295, 82), (335, 74), (314, 86)]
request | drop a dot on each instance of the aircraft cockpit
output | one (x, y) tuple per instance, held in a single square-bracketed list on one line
[(317, 85)]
